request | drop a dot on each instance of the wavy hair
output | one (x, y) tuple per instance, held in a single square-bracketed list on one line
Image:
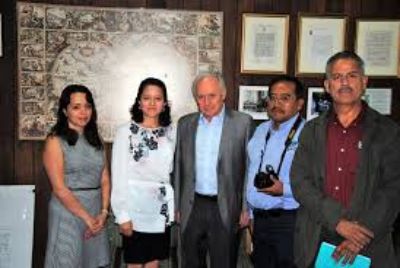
[(137, 113), (62, 129)]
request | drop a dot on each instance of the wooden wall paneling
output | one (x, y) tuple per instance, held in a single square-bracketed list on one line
[(335, 7), (156, 4), (210, 5), (300, 6), (353, 8), (23, 162), (292, 41), (317, 6), (283, 6), (42, 195), (7, 102), (230, 57), (192, 4), (381, 8), (174, 4), (7, 94), (263, 6), (395, 85), (246, 6)]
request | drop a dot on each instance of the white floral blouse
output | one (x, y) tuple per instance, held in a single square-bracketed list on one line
[(142, 160)]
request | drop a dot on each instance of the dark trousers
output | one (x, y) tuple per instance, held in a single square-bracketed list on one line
[(205, 233), (273, 238)]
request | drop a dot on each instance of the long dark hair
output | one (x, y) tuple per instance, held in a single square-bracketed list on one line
[(137, 113), (61, 127)]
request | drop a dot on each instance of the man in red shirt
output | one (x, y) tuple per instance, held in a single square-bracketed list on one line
[(346, 174)]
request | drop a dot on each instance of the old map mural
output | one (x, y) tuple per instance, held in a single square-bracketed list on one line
[(110, 51)]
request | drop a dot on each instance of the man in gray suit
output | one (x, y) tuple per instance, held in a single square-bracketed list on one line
[(209, 176)]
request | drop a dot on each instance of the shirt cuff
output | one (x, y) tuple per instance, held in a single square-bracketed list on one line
[(286, 190)]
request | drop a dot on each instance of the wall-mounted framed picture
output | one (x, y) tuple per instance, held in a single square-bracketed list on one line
[(264, 43), (318, 101), (378, 44), (252, 100), (379, 99), (318, 38)]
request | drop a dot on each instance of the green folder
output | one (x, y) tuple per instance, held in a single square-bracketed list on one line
[(325, 259)]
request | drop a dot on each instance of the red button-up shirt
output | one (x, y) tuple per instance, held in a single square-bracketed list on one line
[(342, 157)]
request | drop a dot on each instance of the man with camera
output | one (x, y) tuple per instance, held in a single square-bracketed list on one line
[(269, 195)]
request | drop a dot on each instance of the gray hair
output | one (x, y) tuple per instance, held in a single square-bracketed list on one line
[(348, 55), (201, 76)]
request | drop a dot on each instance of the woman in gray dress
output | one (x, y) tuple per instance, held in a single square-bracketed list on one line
[(75, 163)]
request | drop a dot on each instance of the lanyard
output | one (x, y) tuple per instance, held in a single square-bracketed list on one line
[(289, 139)]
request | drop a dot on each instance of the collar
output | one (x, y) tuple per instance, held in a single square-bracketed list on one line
[(332, 118), (215, 119), (287, 125)]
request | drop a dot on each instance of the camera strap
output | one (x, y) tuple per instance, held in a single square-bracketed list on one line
[(288, 141)]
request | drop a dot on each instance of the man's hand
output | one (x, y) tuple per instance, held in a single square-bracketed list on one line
[(275, 189), (357, 234), (126, 228), (244, 219), (346, 250)]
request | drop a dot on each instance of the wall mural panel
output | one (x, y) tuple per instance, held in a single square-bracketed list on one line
[(109, 50)]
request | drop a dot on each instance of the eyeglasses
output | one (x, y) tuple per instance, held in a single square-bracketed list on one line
[(284, 98), (348, 76)]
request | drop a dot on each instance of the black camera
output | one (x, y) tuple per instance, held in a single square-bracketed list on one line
[(263, 179)]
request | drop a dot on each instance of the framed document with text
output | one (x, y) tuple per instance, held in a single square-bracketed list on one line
[(318, 38), (264, 43), (377, 43)]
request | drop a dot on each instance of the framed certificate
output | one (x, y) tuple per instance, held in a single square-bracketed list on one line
[(377, 43), (318, 39), (264, 43)]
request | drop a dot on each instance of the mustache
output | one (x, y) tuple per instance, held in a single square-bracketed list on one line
[(277, 109), (345, 89)]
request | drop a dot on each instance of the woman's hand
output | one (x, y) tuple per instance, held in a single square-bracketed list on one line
[(92, 226), (126, 228), (99, 224)]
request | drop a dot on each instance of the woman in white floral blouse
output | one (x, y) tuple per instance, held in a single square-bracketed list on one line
[(142, 160)]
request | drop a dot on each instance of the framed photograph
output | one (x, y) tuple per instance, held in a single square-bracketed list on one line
[(377, 43), (318, 101), (318, 39), (264, 43), (252, 100)]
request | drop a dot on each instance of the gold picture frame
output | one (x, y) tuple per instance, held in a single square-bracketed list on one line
[(378, 44), (318, 38), (264, 43)]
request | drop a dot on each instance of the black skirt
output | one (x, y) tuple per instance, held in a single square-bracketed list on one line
[(146, 247)]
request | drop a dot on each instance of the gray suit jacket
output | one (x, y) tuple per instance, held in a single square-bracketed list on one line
[(231, 169), (376, 193)]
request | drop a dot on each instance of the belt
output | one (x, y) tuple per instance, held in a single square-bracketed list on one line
[(276, 212), (206, 197), (85, 188)]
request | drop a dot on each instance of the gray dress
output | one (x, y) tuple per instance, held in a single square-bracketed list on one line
[(66, 245)]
